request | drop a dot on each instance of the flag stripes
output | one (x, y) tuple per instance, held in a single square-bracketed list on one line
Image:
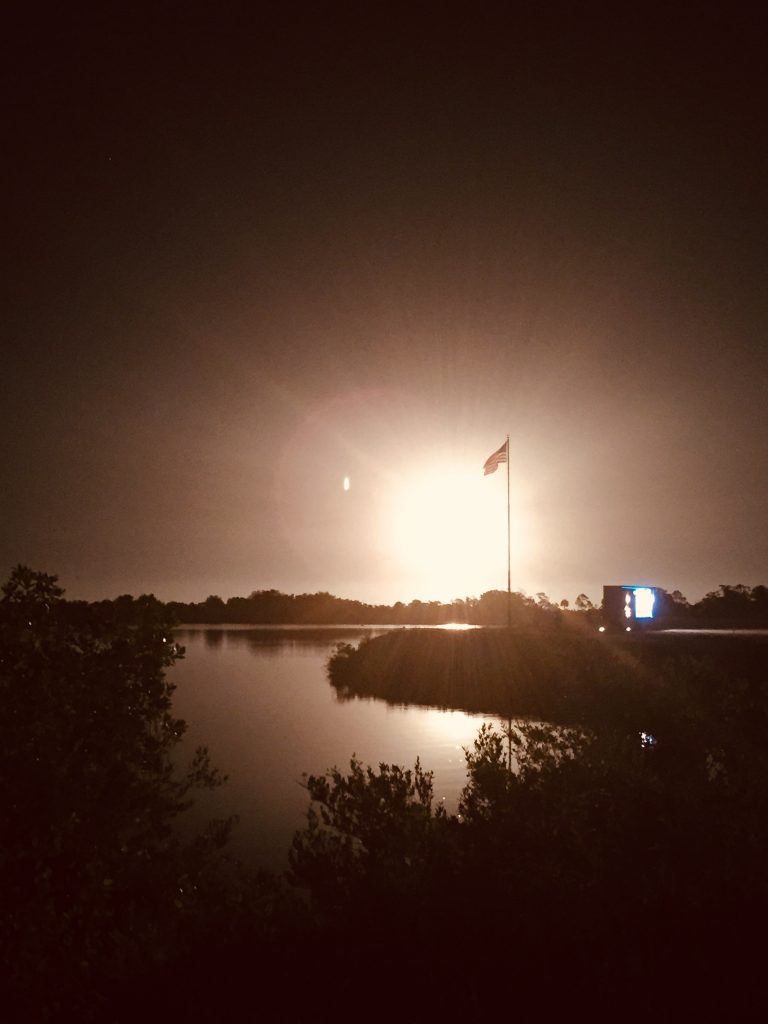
[(493, 462)]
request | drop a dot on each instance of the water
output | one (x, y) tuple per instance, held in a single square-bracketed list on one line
[(259, 698)]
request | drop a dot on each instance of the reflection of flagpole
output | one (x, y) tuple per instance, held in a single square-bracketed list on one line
[(509, 551)]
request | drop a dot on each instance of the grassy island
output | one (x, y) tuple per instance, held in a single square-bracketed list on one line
[(565, 674)]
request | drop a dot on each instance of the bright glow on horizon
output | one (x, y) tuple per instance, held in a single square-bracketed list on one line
[(445, 531)]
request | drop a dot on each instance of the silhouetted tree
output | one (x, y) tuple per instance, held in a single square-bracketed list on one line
[(95, 881), (606, 860), (362, 828), (30, 592)]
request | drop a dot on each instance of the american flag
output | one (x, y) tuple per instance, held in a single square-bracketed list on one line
[(493, 462)]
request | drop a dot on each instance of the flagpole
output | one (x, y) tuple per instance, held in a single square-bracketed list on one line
[(509, 551), (490, 465)]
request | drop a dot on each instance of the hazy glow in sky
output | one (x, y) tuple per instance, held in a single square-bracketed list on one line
[(302, 252), (446, 528)]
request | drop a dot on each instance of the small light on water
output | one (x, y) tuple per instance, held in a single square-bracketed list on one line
[(601, 629), (629, 629), (346, 483)]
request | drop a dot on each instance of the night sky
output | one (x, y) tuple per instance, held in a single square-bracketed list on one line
[(245, 257)]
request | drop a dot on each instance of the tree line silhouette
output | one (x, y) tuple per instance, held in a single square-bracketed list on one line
[(734, 607)]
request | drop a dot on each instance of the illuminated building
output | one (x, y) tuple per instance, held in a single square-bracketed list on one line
[(629, 607)]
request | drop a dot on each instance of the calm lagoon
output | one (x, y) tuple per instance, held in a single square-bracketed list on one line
[(259, 698)]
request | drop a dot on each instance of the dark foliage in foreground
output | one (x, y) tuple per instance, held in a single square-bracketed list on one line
[(625, 854), (619, 866), (96, 886), (610, 869)]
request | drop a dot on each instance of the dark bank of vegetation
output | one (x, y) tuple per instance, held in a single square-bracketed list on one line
[(728, 607), (99, 892), (270, 606), (617, 869), (559, 671), (95, 883), (608, 854)]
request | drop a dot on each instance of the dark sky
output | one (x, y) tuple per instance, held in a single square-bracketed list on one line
[(247, 257)]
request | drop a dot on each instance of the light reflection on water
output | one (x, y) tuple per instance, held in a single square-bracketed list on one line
[(260, 700)]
